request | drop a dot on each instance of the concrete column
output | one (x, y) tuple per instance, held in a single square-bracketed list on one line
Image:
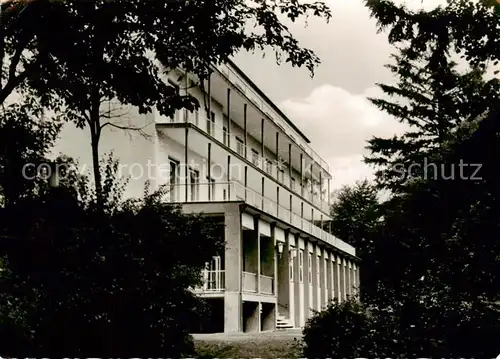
[(340, 271), (233, 315), (358, 282), (344, 277), (245, 129), (315, 284), (275, 264), (229, 117), (257, 239), (277, 147), (327, 277), (307, 285), (262, 138), (284, 279), (350, 281), (331, 272), (321, 282), (296, 284), (301, 174), (335, 279), (186, 161), (209, 155)]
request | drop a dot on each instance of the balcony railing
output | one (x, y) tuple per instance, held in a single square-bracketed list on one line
[(235, 191), (213, 281), (266, 284), (249, 282), (257, 100), (237, 145)]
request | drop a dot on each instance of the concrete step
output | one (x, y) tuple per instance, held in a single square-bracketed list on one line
[(283, 323)]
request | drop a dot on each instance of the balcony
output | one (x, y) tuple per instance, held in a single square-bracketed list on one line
[(213, 281), (235, 191), (231, 141), (257, 101)]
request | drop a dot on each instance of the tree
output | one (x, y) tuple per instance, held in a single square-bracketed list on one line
[(438, 259), (433, 102), (117, 51), (112, 282), (24, 142), (356, 215)]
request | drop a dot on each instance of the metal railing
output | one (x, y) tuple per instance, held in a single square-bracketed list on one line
[(235, 191), (257, 100), (236, 144), (213, 281)]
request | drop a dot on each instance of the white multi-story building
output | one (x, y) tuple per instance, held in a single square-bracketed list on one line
[(244, 161)]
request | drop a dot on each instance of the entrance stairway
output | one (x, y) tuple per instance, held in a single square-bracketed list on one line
[(283, 323)]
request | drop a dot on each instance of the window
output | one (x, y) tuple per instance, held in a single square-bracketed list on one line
[(224, 195), (211, 124), (292, 184), (309, 268), (281, 176), (194, 181), (290, 265), (269, 167), (255, 157), (174, 179), (224, 129), (240, 147), (301, 266)]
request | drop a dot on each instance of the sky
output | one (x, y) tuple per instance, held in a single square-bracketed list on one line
[(332, 107)]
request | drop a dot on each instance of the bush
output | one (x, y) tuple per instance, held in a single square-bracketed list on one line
[(443, 328), (338, 331), (85, 282)]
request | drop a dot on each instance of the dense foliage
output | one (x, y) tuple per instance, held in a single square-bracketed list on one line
[(84, 282), (436, 288), (94, 59)]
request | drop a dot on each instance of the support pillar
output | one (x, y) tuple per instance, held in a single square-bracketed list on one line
[(262, 138), (186, 161), (344, 279), (340, 270), (307, 284), (209, 171), (315, 282), (257, 239), (284, 279), (350, 279), (233, 311), (297, 284), (358, 282), (245, 129), (324, 276), (228, 118)]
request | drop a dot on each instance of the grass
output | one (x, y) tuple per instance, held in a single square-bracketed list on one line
[(249, 348)]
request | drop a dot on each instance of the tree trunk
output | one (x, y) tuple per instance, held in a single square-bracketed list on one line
[(96, 167)]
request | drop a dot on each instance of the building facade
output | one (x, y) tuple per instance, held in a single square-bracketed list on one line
[(241, 159)]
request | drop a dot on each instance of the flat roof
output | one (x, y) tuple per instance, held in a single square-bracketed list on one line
[(271, 103)]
